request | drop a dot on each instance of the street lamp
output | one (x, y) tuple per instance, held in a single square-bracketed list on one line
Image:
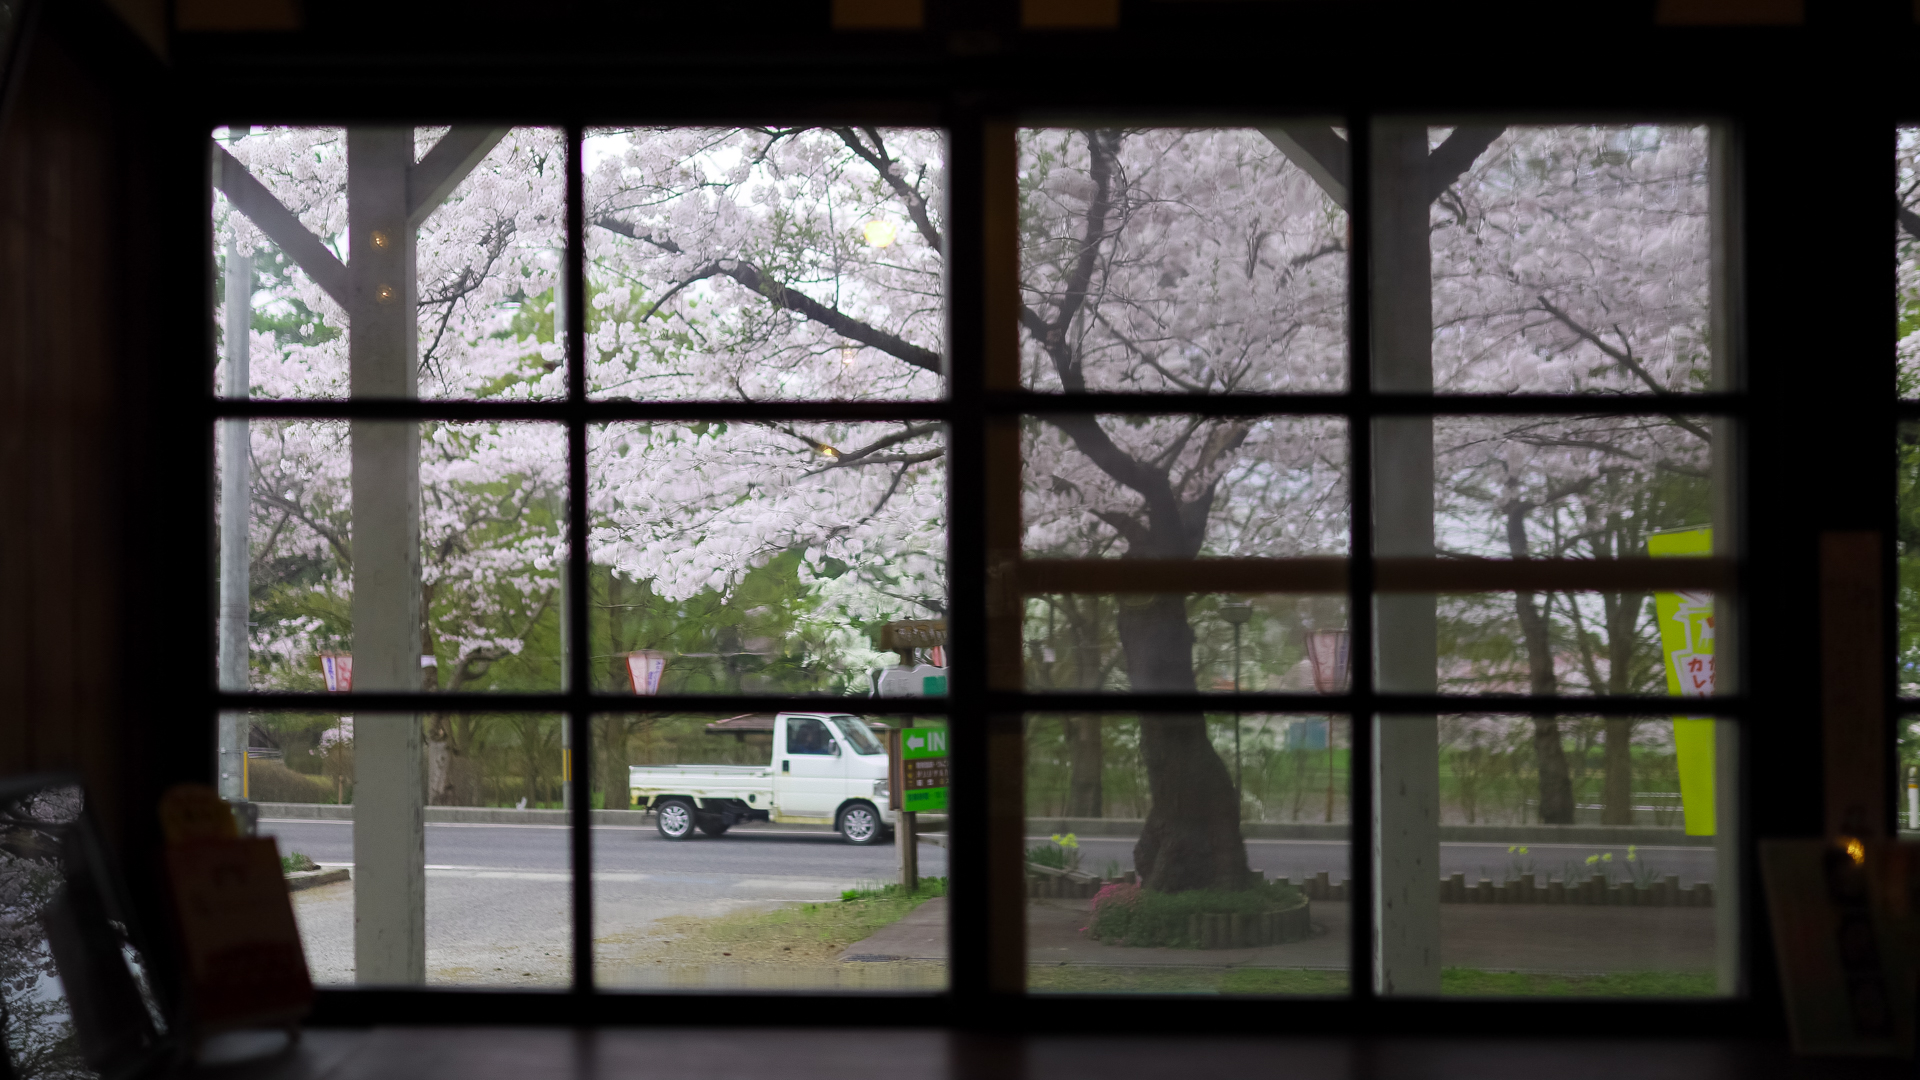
[(1237, 616)]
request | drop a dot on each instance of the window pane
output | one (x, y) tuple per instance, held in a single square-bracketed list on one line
[(1141, 877), (1626, 899), (481, 504), (1907, 255), (1188, 261), (765, 263), (1907, 550), (476, 317), (1572, 642), (1511, 487), (1567, 259), (748, 558), (1174, 642), (479, 896), (1182, 487), (742, 858)]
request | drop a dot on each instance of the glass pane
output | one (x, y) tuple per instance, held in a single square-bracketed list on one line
[(1907, 774), (1572, 642), (1906, 246), (479, 507), (761, 852), (480, 896), (794, 263), (1907, 552), (476, 319), (750, 558), (1565, 259), (1628, 898), (1112, 486), (1141, 877), (1187, 261), (1512, 487), (1167, 641)]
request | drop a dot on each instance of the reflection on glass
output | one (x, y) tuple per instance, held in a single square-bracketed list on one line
[(760, 852), (487, 259), (492, 511), (765, 263), (1640, 914), (1182, 487), (1141, 876), (1573, 642), (1186, 261), (497, 903), (1213, 643), (1565, 259), (747, 558)]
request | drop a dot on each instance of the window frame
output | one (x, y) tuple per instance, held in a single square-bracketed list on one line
[(978, 406)]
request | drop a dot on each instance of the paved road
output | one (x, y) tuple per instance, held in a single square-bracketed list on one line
[(498, 900)]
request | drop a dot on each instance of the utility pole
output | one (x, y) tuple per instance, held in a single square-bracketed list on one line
[(236, 549)]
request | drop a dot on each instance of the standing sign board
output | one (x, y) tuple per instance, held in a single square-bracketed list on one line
[(922, 769), (644, 669), (1686, 643)]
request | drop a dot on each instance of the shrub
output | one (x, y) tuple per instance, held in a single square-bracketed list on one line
[(270, 781), (296, 863), (1130, 915), (1062, 853)]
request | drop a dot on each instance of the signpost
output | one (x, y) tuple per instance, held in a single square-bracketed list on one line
[(1687, 644), (917, 755)]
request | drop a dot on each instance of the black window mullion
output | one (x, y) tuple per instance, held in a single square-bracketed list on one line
[(1360, 823), (578, 659)]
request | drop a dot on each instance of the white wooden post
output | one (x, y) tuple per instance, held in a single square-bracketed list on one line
[(389, 836), (1406, 786), (235, 497)]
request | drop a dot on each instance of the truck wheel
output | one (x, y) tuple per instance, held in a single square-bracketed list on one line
[(674, 818), (714, 826), (860, 823)]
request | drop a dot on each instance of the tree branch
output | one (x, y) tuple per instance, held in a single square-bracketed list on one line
[(1455, 156), (792, 299), (1625, 360), (878, 158)]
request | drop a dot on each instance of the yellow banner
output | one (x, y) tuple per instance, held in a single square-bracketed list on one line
[(1686, 643)]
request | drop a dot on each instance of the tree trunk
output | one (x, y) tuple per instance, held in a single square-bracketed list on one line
[(1086, 758), (1556, 784), (1191, 838), (1617, 787)]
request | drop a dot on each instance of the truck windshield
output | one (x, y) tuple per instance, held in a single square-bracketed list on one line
[(858, 735)]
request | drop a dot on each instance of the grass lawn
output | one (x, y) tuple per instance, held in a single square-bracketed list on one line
[(1465, 982), (790, 938)]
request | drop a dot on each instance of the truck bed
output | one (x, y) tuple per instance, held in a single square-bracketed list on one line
[(703, 782)]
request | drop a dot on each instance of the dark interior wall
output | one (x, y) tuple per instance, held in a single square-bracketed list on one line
[(93, 501)]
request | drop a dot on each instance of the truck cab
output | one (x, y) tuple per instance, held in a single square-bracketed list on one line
[(827, 768)]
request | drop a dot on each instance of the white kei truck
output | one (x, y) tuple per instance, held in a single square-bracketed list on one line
[(827, 769)]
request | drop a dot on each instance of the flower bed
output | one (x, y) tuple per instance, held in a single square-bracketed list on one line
[(1267, 914)]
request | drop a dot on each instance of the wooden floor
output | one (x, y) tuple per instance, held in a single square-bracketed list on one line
[(473, 1053)]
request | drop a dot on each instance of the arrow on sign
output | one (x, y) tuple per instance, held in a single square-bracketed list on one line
[(916, 742)]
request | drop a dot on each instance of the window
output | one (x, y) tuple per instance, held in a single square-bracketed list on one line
[(1289, 619)]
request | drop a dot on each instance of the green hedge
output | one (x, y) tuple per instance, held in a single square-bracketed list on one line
[(1130, 915)]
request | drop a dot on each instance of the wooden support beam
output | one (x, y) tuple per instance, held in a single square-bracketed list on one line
[(252, 199), (434, 176)]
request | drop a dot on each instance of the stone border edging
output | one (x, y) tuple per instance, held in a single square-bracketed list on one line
[(313, 879)]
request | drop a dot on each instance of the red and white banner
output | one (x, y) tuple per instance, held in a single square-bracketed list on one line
[(338, 669), (644, 669)]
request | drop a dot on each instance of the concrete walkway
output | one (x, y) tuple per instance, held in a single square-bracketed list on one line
[(1492, 938)]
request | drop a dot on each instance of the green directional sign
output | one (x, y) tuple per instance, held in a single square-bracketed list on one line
[(923, 756)]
